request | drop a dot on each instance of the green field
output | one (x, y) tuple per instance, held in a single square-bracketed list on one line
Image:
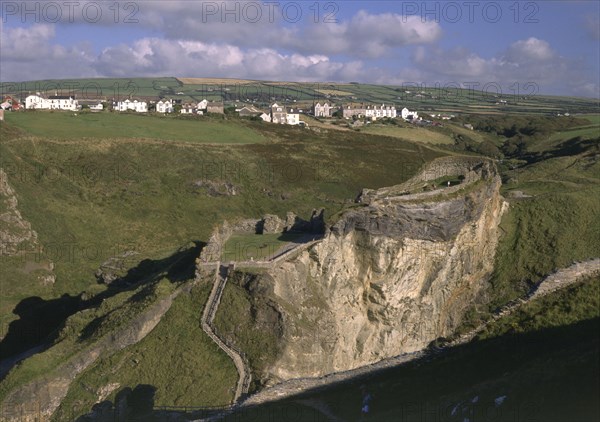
[(177, 358), (244, 247), (414, 134), (264, 93), (94, 186), (65, 125)]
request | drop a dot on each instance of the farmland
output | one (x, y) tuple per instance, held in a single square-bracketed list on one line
[(440, 98), (70, 126)]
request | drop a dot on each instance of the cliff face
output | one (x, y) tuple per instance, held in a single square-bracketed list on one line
[(388, 278)]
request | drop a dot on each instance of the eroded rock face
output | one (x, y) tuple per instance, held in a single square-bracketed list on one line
[(272, 224), (16, 234), (19, 239), (388, 278)]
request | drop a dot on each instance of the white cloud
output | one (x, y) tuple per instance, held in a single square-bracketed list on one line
[(525, 61), (31, 53), (365, 35), (592, 26), (251, 25), (27, 53), (531, 49)]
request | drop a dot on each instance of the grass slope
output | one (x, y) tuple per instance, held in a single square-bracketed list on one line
[(177, 358), (68, 126)]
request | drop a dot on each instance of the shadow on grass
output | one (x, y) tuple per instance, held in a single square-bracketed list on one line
[(134, 405), (40, 320), (129, 405), (547, 375), (571, 147)]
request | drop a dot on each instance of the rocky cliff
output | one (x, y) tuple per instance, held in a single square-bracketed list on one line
[(389, 277)]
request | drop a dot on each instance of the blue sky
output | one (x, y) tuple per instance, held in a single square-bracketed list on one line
[(553, 44)]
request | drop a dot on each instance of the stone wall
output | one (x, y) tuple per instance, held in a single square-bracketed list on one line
[(470, 168), (269, 224)]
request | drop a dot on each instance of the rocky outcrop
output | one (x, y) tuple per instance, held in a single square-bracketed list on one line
[(16, 234), (559, 280), (114, 268), (388, 278), (272, 224), (214, 248), (17, 237), (216, 188)]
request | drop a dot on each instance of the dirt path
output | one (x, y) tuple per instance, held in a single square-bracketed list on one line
[(210, 310)]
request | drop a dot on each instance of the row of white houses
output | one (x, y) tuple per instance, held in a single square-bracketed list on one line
[(53, 102), (369, 111), (291, 116), (277, 113), (63, 102), (128, 105)]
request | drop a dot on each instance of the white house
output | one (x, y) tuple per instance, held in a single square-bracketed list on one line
[(202, 105), (278, 114), (135, 105), (188, 108), (36, 102), (97, 107), (164, 106), (53, 102), (282, 115), (406, 114), (293, 117), (376, 112), (322, 110)]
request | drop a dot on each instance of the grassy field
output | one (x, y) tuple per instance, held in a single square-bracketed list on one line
[(569, 306), (68, 125), (255, 327), (551, 228), (81, 330), (414, 134), (243, 247)]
